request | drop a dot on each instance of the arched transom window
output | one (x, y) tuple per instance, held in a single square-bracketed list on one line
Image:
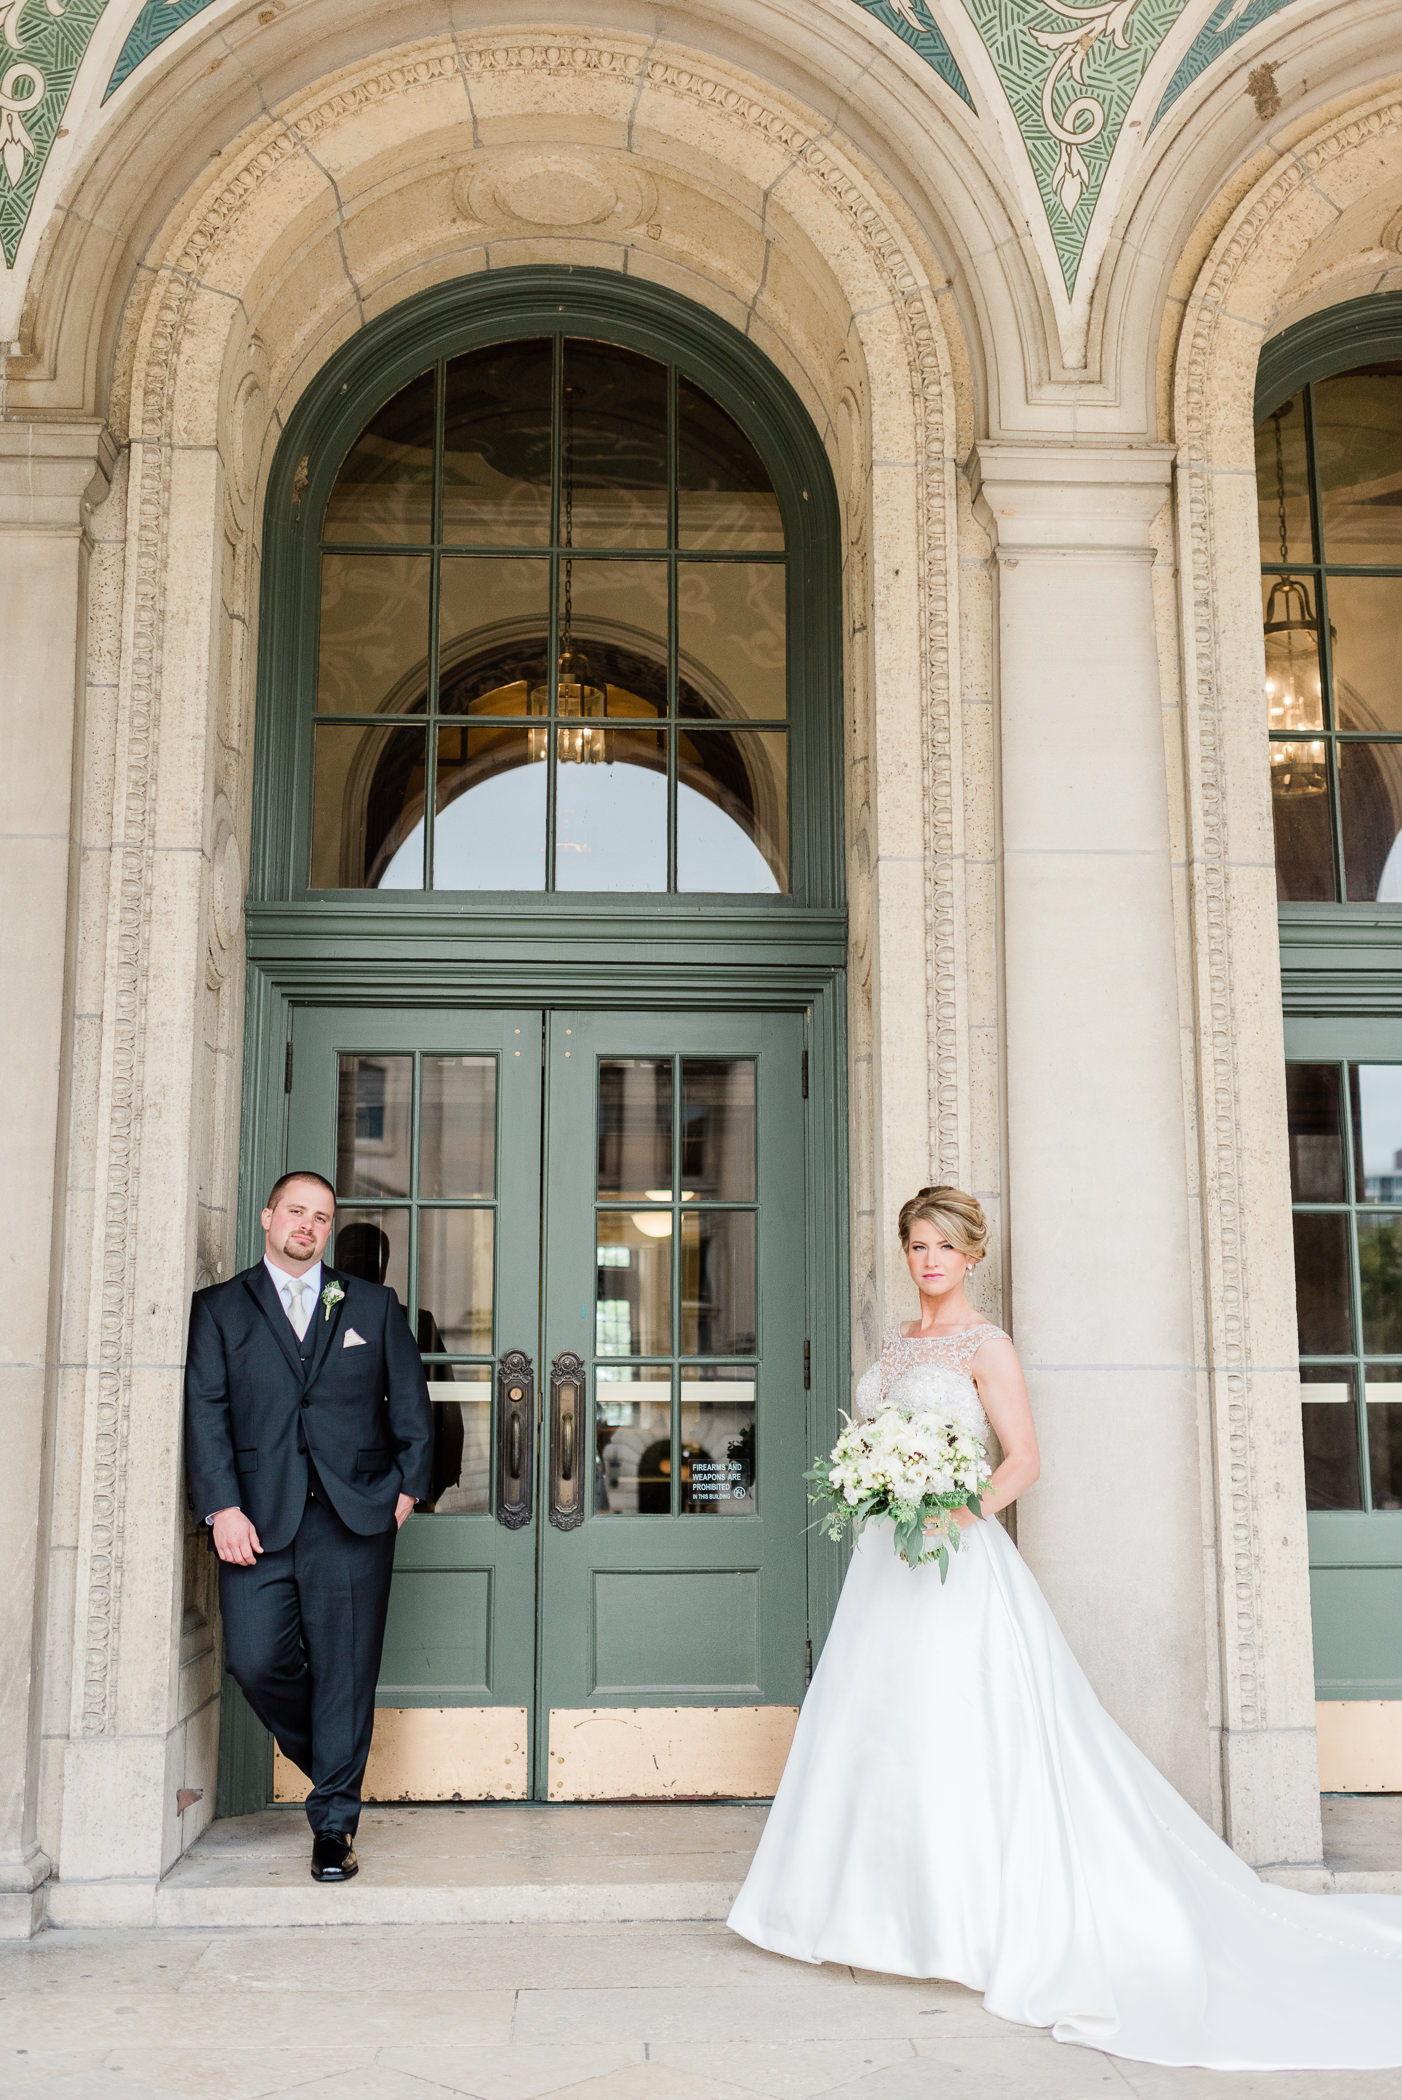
[(552, 648)]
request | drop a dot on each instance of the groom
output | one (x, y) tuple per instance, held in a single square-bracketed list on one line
[(308, 1440)]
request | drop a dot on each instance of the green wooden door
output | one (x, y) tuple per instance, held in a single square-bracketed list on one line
[(597, 1223)]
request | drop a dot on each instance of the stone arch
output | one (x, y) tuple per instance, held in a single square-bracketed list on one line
[(339, 203), (1318, 211)]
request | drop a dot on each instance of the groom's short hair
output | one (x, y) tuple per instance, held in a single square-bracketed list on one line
[(299, 1174)]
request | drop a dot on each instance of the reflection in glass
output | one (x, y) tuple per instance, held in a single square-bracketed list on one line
[(725, 499), (1282, 484), (374, 1244), (455, 1280), (372, 644), (496, 446), (632, 1441), (1321, 1283), (731, 652), (633, 1308), (1316, 1135), (460, 1484), (457, 1126), (718, 1441), (611, 814), (1370, 791), (1375, 1095), (1304, 846), (613, 464), (1380, 1283), (1333, 1479), (635, 1128), (1365, 614), (732, 811), (1382, 1389), (493, 632), (367, 804), (718, 1128), (490, 807), (374, 1106), (1358, 444), (384, 490), (718, 1283)]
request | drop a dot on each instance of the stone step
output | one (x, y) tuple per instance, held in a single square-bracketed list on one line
[(450, 1865)]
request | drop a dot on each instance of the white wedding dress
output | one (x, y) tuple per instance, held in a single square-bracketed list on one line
[(958, 1804)]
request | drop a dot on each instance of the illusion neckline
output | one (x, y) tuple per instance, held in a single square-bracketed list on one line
[(949, 1334)]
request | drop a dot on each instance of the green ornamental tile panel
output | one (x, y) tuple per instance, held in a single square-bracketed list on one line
[(157, 20), (1228, 21), (1070, 74), (42, 43), (910, 19)]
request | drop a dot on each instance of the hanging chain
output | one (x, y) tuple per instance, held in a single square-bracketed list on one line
[(565, 645), (1280, 490)]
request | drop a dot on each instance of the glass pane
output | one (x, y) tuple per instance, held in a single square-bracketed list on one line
[(611, 810), (1370, 789), (613, 638), (1316, 1135), (496, 446), (374, 1108), (372, 646), (1304, 846), (493, 635), (457, 1126), (1329, 1422), (489, 828), (718, 1441), (455, 1281), (1358, 444), (1282, 484), (461, 1480), (1383, 1392), (732, 811), (718, 1283), (731, 661), (724, 496), (1321, 1284), (1290, 624), (375, 1244), (367, 809), (613, 459), (1365, 614), (1380, 1283), (718, 1128), (635, 1127), (1375, 1097), (384, 490), (633, 1312), (632, 1441)]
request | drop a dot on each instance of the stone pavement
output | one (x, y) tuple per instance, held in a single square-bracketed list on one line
[(654, 2011)]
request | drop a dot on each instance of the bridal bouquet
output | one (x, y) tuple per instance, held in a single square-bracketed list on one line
[(911, 1468)]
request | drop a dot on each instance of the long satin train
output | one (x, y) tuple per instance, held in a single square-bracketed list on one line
[(958, 1804)]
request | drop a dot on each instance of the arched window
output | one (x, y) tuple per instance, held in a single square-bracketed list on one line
[(1329, 485)]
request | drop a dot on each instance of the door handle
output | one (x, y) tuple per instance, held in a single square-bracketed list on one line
[(567, 1404), (515, 1438)]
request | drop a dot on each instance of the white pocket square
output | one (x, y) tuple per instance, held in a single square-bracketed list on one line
[(352, 1340)]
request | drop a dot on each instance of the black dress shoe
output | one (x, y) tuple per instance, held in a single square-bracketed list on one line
[(333, 1856)]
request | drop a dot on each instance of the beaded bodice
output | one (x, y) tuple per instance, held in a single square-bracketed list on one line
[(930, 1374)]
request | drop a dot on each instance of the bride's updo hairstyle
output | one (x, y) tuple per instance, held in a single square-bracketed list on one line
[(957, 1217)]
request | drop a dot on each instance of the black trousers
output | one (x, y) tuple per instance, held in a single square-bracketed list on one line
[(303, 1631)]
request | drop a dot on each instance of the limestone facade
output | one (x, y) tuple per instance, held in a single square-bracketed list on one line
[(1064, 972)]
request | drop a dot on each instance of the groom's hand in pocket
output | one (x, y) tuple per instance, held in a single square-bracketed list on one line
[(235, 1539), (403, 1508)]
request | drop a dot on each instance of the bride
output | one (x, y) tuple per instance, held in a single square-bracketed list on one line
[(958, 1804)]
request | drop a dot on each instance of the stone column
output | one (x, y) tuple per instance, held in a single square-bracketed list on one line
[(1099, 1195), (51, 474)]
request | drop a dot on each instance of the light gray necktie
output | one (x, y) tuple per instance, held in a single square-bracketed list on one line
[(298, 1302)]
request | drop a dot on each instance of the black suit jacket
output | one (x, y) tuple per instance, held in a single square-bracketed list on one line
[(254, 1409)]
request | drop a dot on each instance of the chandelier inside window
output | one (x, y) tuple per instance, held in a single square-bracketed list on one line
[(578, 701), (1294, 698)]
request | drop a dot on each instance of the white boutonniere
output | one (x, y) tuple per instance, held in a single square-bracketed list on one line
[(332, 1295)]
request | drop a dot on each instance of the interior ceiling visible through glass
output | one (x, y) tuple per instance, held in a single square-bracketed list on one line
[(552, 650)]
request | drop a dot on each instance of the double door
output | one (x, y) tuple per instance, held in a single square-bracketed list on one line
[(595, 1222)]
